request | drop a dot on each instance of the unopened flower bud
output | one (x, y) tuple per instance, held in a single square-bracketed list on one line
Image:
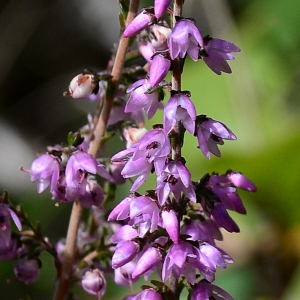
[(139, 23), (124, 253), (160, 67), (27, 270), (93, 282), (160, 6), (171, 224), (150, 258), (82, 86)]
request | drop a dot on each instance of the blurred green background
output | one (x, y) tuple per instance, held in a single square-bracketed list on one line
[(43, 44)]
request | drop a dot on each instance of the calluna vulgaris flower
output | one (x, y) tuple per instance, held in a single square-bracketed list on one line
[(210, 134), (94, 283), (180, 108), (185, 38), (215, 52)]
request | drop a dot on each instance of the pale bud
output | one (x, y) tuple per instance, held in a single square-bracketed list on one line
[(82, 86)]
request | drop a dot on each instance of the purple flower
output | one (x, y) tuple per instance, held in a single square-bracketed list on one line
[(5, 226), (215, 52), (124, 233), (221, 217), (160, 7), (222, 187), (148, 294), (185, 38), (45, 169), (122, 210), (8, 251), (171, 224), (179, 108), (155, 147), (93, 194), (79, 165), (123, 275), (178, 262), (206, 231), (141, 168), (159, 69), (124, 253), (175, 178), (210, 134), (144, 212), (140, 22), (146, 49), (139, 99), (27, 270), (204, 290), (240, 181), (93, 282), (184, 259), (149, 259)]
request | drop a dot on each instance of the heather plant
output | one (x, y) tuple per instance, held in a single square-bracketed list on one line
[(170, 230)]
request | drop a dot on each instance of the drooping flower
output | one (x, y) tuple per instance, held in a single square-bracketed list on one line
[(215, 52), (45, 169), (175, 178), (123, 275), (148, 294), (93, 194), (144, 213), (205, 290), (155, 147), (8, 251), (5, 226), (27, 270), (139, 99), (185, 38), (79, 165), (206, 231), (210, 134), (94, 283), (184, 258), (179, 108)]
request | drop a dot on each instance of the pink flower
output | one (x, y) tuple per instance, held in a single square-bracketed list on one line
[(185, 38)]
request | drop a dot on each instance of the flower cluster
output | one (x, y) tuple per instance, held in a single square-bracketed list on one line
[(171, 229)]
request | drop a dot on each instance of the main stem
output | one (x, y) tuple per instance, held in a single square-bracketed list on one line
[(66, 277), (176, 85), (176, 149)]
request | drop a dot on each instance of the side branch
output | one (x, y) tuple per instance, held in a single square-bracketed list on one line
[(65, 279)]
